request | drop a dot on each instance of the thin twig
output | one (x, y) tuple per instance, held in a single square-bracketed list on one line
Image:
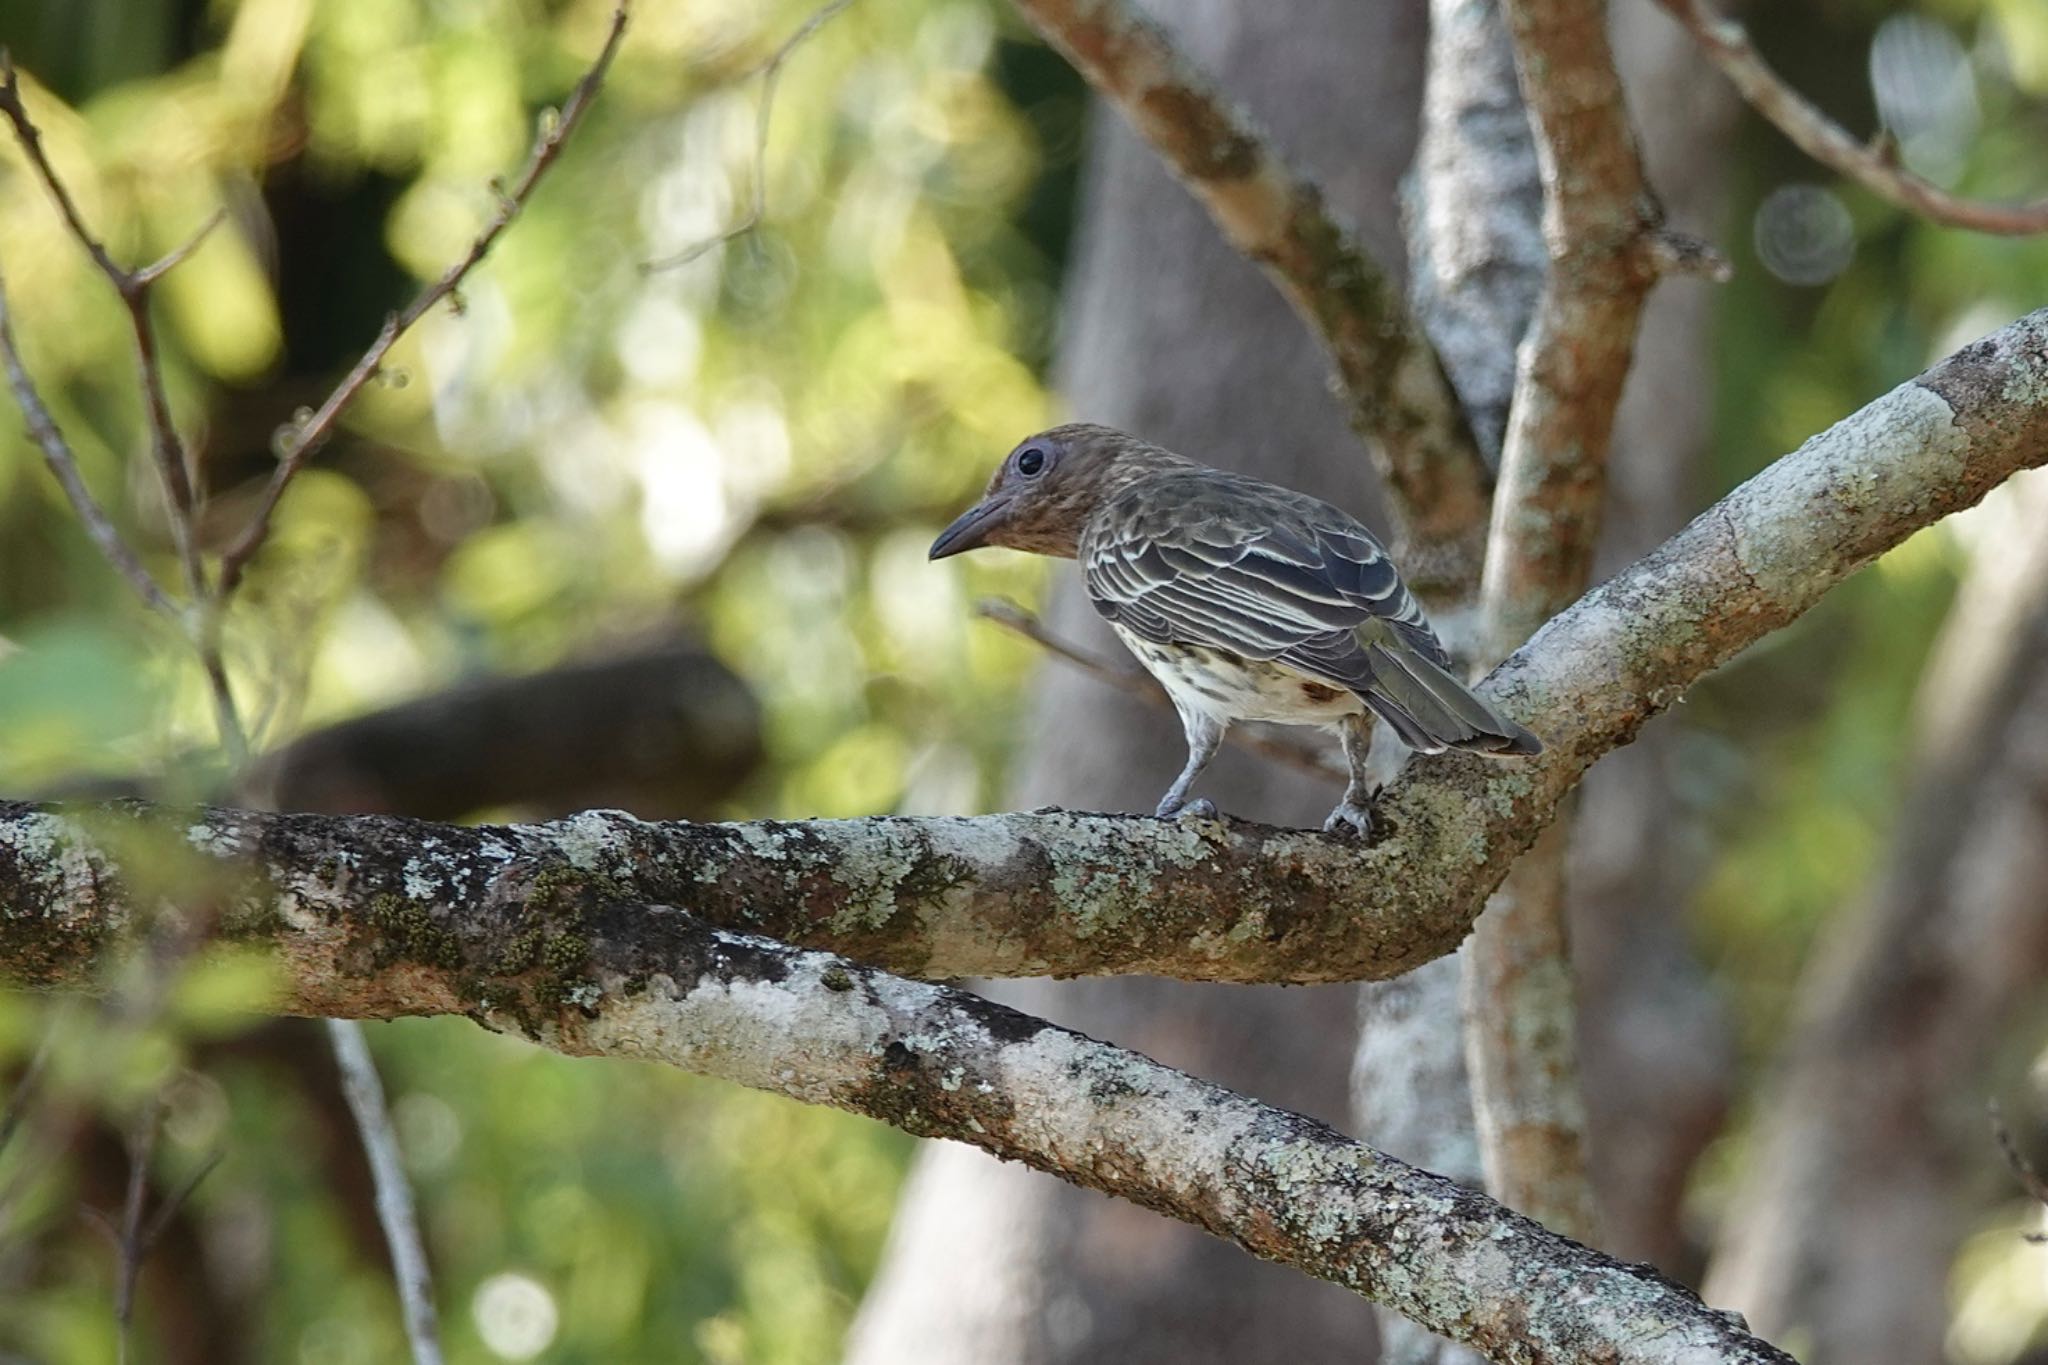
[(1017, 620), (25, 1089), (305, 438), (63, 465), (2029, 1178), (167, 447), (160, 1221), (365, 1094), (770, 73), (1728, 46), (133, 288), (176, 256), (131, 1244)]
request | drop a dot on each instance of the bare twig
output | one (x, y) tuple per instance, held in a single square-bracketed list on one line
[(2023, 1169), (130, 1245), (63, 465), (302, 439), (25, 1089), (160, 1221), (1398, 397), (1016, 619), (1728, 46), (770, 73), (167, 447), (394, 1195)]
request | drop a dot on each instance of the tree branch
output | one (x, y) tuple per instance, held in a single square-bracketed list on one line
[(57, 454), (1598, 214), (1726, 44), (770, 73), (653, 982), (1082, 894), (1397, 394)]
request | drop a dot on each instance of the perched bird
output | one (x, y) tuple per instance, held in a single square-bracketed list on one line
[(1247, 601)]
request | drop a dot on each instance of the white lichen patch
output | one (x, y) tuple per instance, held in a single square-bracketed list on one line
[(222, 840), (56, 856), (592, 840), (1883, 465), (422, 880)]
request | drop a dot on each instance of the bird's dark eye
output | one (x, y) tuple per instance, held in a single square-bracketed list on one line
[(1031, 462)]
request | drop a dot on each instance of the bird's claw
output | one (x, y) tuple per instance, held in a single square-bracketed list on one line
[(1201, 808), (1350, 817)]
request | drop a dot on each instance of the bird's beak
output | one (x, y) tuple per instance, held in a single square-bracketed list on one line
[(971, 529)]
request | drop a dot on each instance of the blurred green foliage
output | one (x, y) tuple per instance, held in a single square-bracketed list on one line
[(760, 443)]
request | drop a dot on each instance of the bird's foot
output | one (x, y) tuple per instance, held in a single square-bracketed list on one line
[(1351, 817), (1201, 808)]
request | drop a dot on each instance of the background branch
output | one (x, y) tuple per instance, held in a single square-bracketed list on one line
[(770, 73), (63, 464), (365, 1092), (1869, 1146), (1727, 44)]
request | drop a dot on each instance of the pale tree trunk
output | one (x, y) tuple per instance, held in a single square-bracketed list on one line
[(1873, 1136), (1654, 1055), (1172, 334)]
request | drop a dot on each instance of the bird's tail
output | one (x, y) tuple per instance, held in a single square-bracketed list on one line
[(1432, 711)]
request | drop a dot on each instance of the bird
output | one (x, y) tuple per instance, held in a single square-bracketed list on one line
[(1247, 601)]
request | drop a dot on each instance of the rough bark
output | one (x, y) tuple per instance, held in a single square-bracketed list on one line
[(1654, 1051), (1474, 210), (1846, 1223), (1653, 1045), (1520, 1019), (938, 1061)]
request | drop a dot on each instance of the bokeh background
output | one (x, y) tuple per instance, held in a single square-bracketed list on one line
[(737, 464)]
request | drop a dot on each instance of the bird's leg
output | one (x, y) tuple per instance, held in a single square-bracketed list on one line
[(1204, 734), (1354, 813)]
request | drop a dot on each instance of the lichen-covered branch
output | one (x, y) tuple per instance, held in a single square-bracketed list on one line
[(1397, 394), (1072, 894), (651, 981), (1726, 44)]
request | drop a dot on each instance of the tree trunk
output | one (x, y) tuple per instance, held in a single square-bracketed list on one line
[(1172, 335)]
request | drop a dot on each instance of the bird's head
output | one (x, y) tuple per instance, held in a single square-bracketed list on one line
[(1044, 491)]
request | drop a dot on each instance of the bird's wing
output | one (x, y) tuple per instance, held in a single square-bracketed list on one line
[(1249, 568)]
